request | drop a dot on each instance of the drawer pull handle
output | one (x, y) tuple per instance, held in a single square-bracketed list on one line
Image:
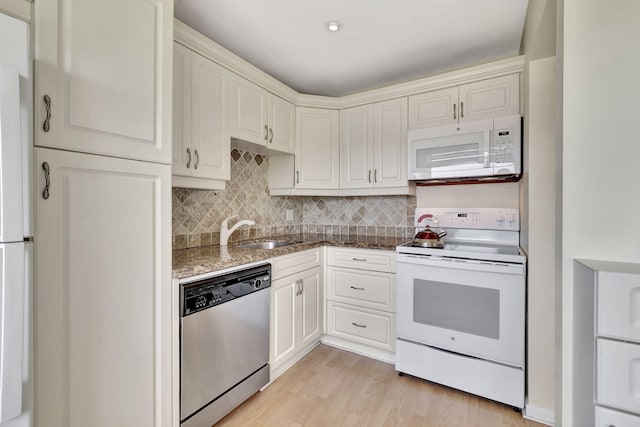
[(359, 326), (47, 105), (360, 259), (47, 181), (357, 289)]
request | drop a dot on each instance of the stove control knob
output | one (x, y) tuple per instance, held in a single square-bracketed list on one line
[(511, 217), (500, 218)]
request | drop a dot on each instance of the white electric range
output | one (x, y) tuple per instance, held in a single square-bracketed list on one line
[(461, 309)]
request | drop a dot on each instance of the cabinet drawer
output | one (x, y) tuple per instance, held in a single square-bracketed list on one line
[(371, 327), (286, 265), (610, 418), (618, 374), (366, 259), (619, 305), (364, 288)]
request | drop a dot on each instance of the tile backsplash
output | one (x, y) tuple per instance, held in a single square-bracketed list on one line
[(197, 214)]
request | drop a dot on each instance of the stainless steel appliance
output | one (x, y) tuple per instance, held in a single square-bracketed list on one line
[(461, 309), (486, 148), (224, 343)]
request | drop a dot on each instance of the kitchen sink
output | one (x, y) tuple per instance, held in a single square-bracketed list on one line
[(271, 244)]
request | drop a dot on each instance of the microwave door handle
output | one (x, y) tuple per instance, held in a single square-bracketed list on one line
[(487, 149)]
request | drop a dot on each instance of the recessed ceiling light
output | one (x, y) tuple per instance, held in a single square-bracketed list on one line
[(334, 26)]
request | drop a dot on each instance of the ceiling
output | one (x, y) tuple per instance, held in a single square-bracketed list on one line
[(382, 41)]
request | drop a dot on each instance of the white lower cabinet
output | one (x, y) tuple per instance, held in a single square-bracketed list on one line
[(607, 335), (370, 327), (104, 302), (296, 308), (361, 301), (609, 418)]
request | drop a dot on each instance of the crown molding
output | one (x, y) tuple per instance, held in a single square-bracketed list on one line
[(440, 81), (196, 41), (20, 9), (206, 47)]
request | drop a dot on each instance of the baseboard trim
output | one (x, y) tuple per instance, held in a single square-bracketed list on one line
[(281, 369), (538, 414), (361, 349)]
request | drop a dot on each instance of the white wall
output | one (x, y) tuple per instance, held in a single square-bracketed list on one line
[(502, 195), (542, 225), (539, 195), (601, 148)]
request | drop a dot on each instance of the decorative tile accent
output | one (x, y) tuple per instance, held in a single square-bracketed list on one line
[(235, 155), (197, 214)]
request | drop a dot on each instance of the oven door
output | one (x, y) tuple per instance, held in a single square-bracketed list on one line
[(469, 307), (456, 151)]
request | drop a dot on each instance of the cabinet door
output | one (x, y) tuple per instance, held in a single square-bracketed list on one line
[(356, 147), (105, 303), (390, 143), (317, 159), (311, 308), (282, 125), (490, 98), (248, 111), (283, 319), (436, 108), (106, 67), (210, 138), (181, 145)]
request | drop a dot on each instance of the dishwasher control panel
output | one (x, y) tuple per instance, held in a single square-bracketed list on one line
[(207, 293)]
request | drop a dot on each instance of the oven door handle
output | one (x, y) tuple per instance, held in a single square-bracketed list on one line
[(474, 265)]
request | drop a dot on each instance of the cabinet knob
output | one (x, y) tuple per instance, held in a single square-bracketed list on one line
[(461, 110), (189, 159), (271, 136), (266, 132), (297, 177), (454, 112), (197, 158)]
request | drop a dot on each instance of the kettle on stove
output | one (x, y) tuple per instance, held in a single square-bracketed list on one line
[(429, 237)]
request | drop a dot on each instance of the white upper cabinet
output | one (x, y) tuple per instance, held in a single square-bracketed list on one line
[(103, 77), (356, 147), (282, 125), (201, 140), (317, 157), (437, 108), (248, 111), (390, 143), (260, 117), (480, 100), (373, 149)]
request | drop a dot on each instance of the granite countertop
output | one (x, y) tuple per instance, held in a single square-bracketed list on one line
[(207, 259)]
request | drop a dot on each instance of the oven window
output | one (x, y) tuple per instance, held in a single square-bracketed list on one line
[(469, 309)]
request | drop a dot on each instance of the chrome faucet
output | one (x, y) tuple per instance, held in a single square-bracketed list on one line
[(225, 231)]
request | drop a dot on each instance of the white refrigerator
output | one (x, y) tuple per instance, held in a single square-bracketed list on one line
[(16, 151)]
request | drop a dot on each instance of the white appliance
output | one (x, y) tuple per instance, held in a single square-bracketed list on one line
[(486, 148), (16, 367), (461, 309)]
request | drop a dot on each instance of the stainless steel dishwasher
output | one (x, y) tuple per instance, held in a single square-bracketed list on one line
[(224, 343)]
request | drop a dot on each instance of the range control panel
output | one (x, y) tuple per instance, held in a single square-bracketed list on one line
[(474, 218)]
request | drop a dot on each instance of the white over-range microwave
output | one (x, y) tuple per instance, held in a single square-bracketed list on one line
[(486, 148)]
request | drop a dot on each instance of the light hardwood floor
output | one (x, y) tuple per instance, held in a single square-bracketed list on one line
[(331, 387)]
